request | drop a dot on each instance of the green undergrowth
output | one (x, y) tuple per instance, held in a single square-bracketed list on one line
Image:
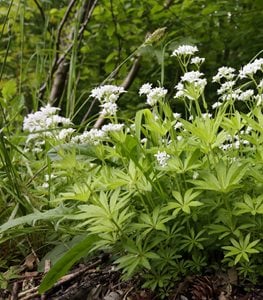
[(167, 194)]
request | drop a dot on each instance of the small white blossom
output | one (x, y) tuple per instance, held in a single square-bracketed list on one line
[(45, 185), (107, 93), (195, 175), (48, 177), (93, 136), (162, 158), (185, 50), (197, 60), (251, 68), (112, 127), (247, 95), (65, 133), (260, 85), (145, 89), (248, 130), (176, 115), (206, 116), (216, 105), (179, 138), (193, 77), (225, 87), (155, 95), (180, 90), (224, 72), (259, 99), (109, 109), (44, 119), (178, 125)]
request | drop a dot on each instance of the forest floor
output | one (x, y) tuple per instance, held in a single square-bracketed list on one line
[(98, 279)]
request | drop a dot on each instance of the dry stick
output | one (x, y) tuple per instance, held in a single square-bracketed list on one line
[(125, 84), (33, 292), (60, 62), (57, 44), (80, 33), (41, 10)]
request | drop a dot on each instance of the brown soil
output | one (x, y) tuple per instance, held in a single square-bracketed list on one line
[(99, 280)]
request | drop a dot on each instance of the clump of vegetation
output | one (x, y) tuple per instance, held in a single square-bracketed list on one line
[(116, 136), (167, 194)]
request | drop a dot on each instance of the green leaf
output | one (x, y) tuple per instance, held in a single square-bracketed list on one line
[(51, 214), (66, 262), (9, 89)]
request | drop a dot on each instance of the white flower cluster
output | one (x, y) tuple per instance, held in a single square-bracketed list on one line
[(197, 60), (153, 94), (162, 158), (45, 123), (95, 136), (108, 95), (251, 68), (226, 87), (188, 80), (185, 50), (234, 142), (44, 120), (112, 127), (227, 73)]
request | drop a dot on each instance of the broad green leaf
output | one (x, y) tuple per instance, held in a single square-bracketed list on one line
[(66, 262)]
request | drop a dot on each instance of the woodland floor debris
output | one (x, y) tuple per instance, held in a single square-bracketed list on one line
[(97, 280)]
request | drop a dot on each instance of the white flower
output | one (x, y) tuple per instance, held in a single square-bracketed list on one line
[(144, 141), (180, 90), (112, 127), (192, 76), (224, 72), (191, 85), (259, 99), (179, 138), (45, 185), (109, 109), (216, 105), (48, 110), (65, 133), (176, 115), (107, 93), (162, 158), (251, 68), (225, 87), (155, 95), (48, 177), (247, 95), (195, 175), (185, 50), (248, 130), (93, 136), (260, 85), (145, 89), (44, 119), (197, 60), (206, 116), (178, 125)]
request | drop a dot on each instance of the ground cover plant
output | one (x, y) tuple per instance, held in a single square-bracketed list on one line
[(167, 194)]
